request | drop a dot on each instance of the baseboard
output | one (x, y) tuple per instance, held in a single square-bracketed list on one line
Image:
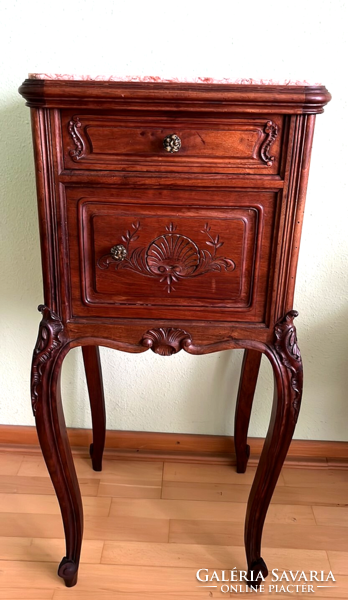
[(178, 447)]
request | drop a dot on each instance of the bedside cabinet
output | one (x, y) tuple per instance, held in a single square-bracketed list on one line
[(170, 219)]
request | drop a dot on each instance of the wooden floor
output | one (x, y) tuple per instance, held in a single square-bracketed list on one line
[(150, 526)]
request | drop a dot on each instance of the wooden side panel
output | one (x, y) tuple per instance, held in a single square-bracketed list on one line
[(46, 199)]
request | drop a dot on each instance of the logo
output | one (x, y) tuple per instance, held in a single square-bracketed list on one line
[(281, 582)]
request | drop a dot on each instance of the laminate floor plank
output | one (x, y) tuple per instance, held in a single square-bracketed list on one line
[(310, 537), (195, 509), (220, 492), (198, 473), (48, 504), (95, 528), (116, 471), (211, 556), (113, 578), (117, 490), (14, 484), (314, 477), (320, 495), (46, 550), (145, 538), (331, 515), (338, 562), (215, 492), (125, 479), (31, 594), (10, 463)]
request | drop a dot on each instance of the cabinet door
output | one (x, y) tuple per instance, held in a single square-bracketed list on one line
[(170, 254)]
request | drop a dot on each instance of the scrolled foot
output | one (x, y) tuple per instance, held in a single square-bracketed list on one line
[(256, 568), (96, 461), (242, 461), (68, 571)]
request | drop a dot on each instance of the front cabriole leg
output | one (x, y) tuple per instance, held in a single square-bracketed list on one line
[(50, 349), (285, 358)]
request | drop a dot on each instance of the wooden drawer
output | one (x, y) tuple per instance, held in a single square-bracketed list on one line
[(249, 145), (184, 253)]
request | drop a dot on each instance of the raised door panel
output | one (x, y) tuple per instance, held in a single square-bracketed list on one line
[(181, 255), (248, 145)]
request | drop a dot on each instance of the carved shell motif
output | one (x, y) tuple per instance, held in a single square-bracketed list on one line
[(170, 257), (165, 341), (173, 253)]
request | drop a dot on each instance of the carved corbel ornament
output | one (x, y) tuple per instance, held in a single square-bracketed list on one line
[(73, 128), (48, 342), (271, 130), (290, 356), (166, 341)]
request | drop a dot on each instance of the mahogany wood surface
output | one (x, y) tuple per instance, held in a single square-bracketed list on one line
[(246, 391), (233, 145), (91, 359), (191, 250)]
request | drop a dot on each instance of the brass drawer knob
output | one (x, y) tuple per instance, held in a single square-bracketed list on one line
[(118, 252), (172, 143)]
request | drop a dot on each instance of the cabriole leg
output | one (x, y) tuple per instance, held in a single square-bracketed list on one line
[(286, 361), (48, 356), (246, 391), (91, 359)]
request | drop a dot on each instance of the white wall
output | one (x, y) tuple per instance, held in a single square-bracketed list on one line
[(297, 39)]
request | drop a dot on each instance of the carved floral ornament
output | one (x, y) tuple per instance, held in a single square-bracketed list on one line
[(169, 340), (73, 128), (271, 131), (48, 341), (290, 356), (169, 258)]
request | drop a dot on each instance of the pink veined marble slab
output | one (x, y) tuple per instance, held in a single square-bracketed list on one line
[(152, 78)]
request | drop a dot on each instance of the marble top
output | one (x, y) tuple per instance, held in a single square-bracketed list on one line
[(153, 78)]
